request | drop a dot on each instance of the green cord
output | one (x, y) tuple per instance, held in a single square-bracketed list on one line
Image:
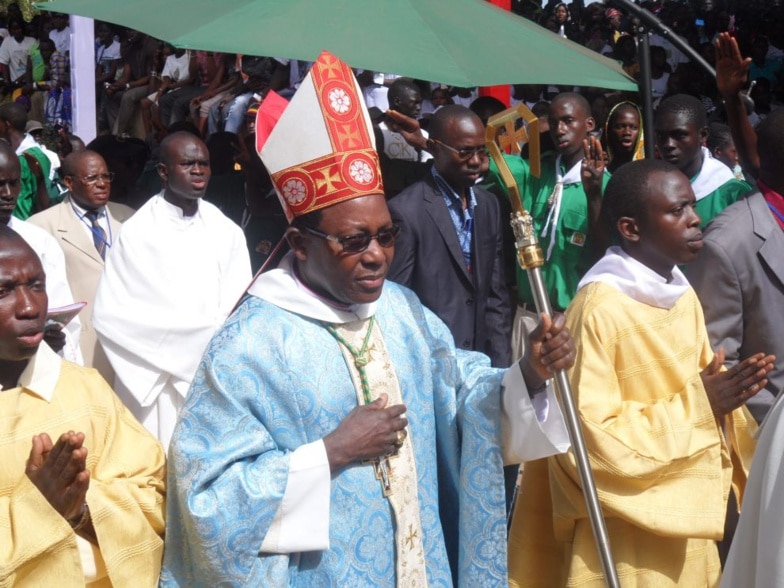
[(360, 359)]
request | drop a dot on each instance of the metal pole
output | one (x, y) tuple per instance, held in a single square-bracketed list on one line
[(654, 24), (644, 57), (531, 259)]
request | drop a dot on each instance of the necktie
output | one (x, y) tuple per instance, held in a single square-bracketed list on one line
[(99, 235)]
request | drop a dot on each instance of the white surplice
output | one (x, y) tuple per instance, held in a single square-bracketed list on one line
[(170, 281)]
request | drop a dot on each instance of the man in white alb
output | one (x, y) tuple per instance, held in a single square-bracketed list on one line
[(173, 275)]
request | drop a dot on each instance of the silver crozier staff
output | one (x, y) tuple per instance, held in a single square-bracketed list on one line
[(531, 259)]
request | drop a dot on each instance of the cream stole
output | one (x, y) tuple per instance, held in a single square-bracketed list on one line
[(402, 476)]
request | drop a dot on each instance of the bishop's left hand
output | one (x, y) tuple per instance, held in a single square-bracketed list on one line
[(550, 348)]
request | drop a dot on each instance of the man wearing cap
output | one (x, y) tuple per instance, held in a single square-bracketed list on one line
[(333, 434), (171, 278), (86, 226)]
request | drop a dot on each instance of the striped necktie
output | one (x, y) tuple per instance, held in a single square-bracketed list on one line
[(99, 235)]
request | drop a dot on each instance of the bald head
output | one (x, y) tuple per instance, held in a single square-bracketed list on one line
[(458, 146), (11, 239), (70, 165), (404, 96), (8, 156), (174, 144), (573, 98), (87, 178), (184, 170)]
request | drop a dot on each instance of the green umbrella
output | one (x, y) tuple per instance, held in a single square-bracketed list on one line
[(457, 42)]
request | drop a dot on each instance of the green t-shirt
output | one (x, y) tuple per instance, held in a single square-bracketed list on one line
[(571, 256)]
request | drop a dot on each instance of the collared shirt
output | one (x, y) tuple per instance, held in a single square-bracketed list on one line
[(103, 221), (775, 202), (462, 218)]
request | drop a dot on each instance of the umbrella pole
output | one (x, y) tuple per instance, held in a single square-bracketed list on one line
[(644, 57), (531, 259), (654, 24)]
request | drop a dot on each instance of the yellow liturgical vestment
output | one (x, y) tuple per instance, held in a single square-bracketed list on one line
[(126, 493), (662, 464)]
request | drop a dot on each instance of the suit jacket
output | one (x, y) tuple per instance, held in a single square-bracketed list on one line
[(83, 266), (739, 278), (428, 259)]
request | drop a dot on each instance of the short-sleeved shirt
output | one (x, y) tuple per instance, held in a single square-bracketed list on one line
[(571, 255), (177, 68), (105, 55), (14, 55)]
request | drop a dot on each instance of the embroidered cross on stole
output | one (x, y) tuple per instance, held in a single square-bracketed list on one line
[(397, 473)]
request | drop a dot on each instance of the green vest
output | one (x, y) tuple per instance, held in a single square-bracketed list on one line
[(571, 255)]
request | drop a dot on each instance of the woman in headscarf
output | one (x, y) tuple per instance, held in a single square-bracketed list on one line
[(623, 135), (564, 25)]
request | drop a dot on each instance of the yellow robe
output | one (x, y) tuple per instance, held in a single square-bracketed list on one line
[(662, 467), (126, 493)]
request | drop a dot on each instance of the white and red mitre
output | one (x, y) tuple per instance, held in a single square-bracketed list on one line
[(322, 150)]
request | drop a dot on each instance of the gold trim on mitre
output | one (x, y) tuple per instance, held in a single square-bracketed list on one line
[(327, 123), (331, 179)]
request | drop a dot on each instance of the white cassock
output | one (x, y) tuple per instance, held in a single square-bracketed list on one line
[(57, 289), (756, 558), (169, 282)]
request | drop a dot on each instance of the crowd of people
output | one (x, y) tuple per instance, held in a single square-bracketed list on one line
[(376, 405)]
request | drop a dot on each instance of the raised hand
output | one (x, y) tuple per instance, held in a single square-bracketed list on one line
[(592, 168), (729, 389), (550, 348), (368, 431), (59, 472), (731, 69)]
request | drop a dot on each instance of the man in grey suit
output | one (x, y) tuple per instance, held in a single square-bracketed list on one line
[(739, 274), (86, 225), (450, 246)]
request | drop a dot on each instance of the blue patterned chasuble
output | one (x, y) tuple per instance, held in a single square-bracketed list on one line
[(271, 381)]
